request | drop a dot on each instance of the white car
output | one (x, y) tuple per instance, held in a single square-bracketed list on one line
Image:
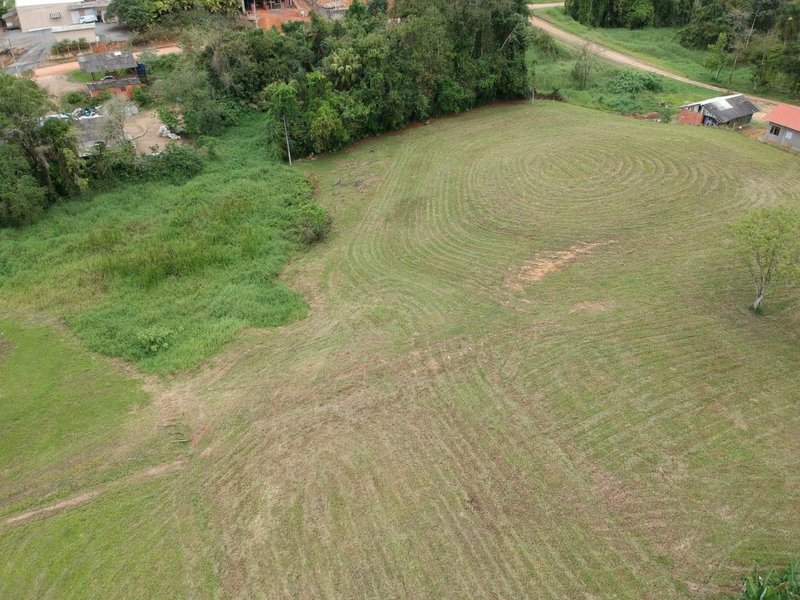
[(85, 19)]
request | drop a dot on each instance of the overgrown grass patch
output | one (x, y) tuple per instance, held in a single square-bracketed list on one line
[(185, 265)]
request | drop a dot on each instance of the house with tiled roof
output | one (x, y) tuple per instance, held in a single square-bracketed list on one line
[(784, 126)]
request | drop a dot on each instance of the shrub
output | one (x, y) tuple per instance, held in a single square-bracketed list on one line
[(774, 585), (176, 162), (142, 97), (154, 340), (634, 82), (117, 163), (311, 224), (75, 98)]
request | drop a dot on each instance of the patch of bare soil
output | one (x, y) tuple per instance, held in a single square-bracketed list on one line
[(143, 129), (53, 508), (80, 499), (59, 84), (592, 306), (546, 263)]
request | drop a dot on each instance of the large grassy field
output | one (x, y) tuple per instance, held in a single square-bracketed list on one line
[(658, 46), (527, 370)]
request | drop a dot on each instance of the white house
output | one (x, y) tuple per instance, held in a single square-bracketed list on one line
[(32, 15)]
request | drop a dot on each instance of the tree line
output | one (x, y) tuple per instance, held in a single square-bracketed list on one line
[(327, 83)]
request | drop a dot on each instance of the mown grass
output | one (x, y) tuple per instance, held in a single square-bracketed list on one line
[(59, 404), (163, 275), (441, 427), (658, 46)]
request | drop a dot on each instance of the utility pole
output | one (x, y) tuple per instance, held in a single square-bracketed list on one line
[(13, 57), (286, 133)]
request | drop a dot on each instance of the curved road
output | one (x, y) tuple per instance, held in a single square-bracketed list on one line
[(624, 59)]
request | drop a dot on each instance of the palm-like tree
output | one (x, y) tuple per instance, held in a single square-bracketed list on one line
[(345, 67), (789, 22)]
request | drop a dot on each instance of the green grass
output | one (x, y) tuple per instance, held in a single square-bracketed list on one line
[(556, 73), (58, 403), (658, 46), (528, 370), (80, 77), (164, 275)]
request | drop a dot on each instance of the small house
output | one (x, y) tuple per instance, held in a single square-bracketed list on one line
[(729, 111), (784, 126), (107, 67), (61, 15)]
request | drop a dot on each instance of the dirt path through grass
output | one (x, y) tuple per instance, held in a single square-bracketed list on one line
[(540, 21)]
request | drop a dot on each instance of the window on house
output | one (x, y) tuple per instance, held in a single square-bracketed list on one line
[(774, 130), (55, 15)]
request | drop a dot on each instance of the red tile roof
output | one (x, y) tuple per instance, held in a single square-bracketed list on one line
[(786, 115)]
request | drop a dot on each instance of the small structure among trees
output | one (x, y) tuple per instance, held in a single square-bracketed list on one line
[(731, 111), (108, 66)]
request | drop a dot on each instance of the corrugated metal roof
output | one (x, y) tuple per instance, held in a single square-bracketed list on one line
[(726, 108), (99, 63), (785, 115)]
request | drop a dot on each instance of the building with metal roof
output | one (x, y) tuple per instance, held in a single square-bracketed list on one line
[(103, 63), (731, 111)]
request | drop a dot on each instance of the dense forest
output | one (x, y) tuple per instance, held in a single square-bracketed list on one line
[(328, 83), (322, 84)]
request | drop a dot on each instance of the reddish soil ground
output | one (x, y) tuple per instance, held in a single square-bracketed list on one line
[(277, 17)]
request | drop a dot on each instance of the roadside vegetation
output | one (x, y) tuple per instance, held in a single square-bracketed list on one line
[(661, 47), (582, 77), (758, 40)]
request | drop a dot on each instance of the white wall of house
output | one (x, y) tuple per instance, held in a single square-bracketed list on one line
[(43, 15), (783, 136)]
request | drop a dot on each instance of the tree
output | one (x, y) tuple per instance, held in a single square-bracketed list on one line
[(187, 101), (584, 66), (48, 145), (344, 67), (789, 22), (769, 244), (717, 56), (283, 106), (22, 199)]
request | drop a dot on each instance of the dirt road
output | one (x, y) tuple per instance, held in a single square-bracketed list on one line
[(625, 59)]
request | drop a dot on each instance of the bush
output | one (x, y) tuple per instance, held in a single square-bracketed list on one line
[(76, 98), (154, 340), (312, 224), (176, 162), (110, 165), (634, 82), (22, 199), (142, 97)]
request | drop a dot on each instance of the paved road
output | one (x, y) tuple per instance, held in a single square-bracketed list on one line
[(33, 47), (36, 43), (625, 59)]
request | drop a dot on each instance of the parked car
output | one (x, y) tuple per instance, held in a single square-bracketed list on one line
[(86, 19)]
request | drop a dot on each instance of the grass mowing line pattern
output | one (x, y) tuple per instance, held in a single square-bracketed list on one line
[(423, 433), (595, 443)]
